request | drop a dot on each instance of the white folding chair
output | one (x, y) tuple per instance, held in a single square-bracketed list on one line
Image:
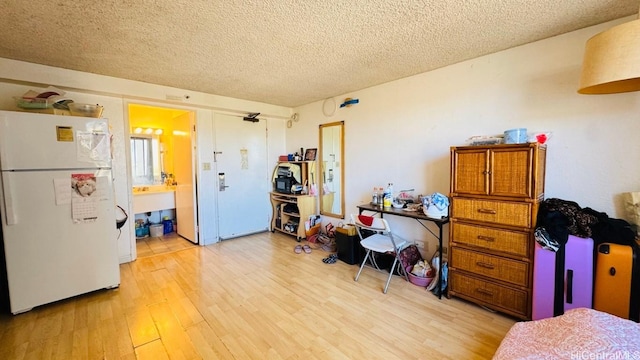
[(382, 241)]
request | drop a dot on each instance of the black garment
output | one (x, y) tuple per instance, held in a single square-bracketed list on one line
[(562, 218), (609, 230)]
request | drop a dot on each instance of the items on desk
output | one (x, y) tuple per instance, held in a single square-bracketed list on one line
[(398, 201), (435, 205), (406, 196), (374, 197), (397, 204), (388, 196)]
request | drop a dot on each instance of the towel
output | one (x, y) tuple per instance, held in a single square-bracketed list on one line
[(365, 219)]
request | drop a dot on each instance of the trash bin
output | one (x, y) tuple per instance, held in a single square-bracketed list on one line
[(348, 245)]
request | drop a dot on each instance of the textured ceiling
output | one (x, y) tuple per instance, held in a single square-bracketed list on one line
[(286, 53)]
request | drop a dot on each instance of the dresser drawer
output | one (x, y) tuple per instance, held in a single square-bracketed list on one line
[(497, 212), (508, 270), (514, 301), (511, 242)]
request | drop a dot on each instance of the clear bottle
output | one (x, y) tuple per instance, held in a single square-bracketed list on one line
[(374, 197)]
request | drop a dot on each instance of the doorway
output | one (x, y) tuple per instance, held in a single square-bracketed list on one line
[(162, 166)]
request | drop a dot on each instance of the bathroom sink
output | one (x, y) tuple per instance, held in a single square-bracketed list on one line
[(153, 198)]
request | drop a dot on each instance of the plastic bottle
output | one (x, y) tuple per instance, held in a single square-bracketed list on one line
[(374, 197), (388, 196)]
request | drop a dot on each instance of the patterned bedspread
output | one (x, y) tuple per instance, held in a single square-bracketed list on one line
[(578, 334)]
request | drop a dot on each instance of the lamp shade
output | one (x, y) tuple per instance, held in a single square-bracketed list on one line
[(612, 61)]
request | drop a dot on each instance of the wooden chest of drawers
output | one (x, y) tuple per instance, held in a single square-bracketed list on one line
[(495, 193)]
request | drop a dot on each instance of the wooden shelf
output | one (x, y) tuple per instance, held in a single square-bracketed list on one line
[(281, 219)]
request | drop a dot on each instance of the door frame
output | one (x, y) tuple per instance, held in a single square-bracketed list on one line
[(127, 143), (205, 180)]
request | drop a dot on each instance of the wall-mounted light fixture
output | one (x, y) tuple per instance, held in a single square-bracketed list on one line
[(147, 131)]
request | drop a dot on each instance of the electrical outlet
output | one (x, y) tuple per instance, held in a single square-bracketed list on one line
[(444, 250)]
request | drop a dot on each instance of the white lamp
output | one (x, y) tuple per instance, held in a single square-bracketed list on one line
[(612, 61)]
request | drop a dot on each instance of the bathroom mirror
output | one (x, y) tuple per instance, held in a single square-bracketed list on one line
[(146, 162), (331, 160)]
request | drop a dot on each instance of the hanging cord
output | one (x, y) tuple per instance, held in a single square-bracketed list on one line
[(120, 223)]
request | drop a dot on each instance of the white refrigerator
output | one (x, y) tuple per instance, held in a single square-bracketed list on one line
[(57, 207)]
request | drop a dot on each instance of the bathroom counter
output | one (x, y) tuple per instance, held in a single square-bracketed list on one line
[(153, 198), (150, 189)]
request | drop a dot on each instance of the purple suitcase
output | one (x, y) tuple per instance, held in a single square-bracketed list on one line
[(578, 278)]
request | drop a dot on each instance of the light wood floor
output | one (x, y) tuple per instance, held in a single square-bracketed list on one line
[(150, 246), (252, 298)]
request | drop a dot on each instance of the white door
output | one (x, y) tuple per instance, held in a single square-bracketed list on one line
[(184, 160), (243, 178)]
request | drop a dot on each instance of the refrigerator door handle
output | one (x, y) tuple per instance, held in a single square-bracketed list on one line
[(8, 202)]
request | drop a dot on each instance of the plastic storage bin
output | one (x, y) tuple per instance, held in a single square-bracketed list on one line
[(515, 136), (156, 230), (88, 110), (418, 280), (142, 231), (167, 226)]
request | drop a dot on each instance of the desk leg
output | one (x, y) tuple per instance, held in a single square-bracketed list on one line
[(440, 264)]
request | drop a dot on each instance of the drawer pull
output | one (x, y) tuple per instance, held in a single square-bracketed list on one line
[(484, 292), (486, 238), (487, 211), (485, 265)]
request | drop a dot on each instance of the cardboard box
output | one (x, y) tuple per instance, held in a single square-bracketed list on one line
[(348, 230)]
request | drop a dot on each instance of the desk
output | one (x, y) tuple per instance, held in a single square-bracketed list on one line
[(419, 217)]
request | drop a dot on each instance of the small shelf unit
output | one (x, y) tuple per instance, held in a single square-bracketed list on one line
[(290, 212)]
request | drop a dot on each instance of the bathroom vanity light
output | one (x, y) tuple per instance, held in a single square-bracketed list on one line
[(148, 131)]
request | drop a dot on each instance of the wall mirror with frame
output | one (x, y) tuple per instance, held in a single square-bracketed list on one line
[(331, 160)]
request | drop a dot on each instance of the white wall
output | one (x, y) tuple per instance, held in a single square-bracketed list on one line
[(17, 77), (401, 131)]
